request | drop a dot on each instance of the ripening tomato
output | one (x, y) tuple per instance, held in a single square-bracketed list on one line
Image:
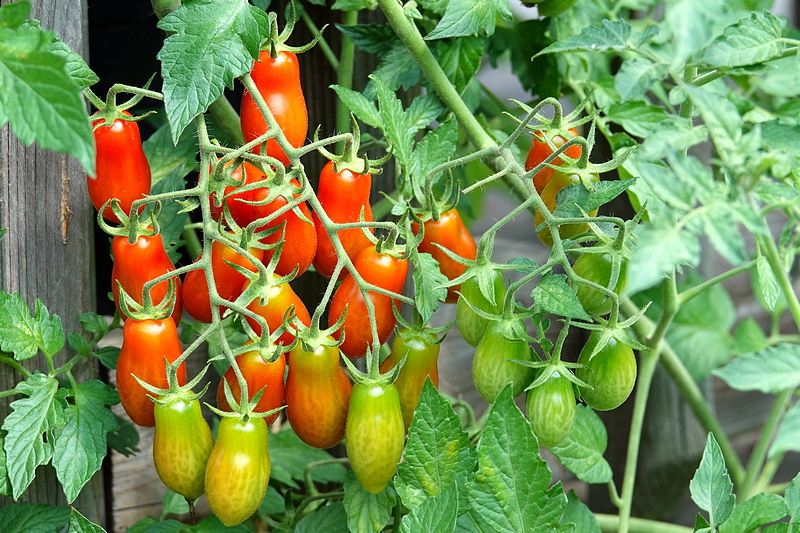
[(121, 168), (181, 445), (551, 408), (421, 351), (277, 301), (470, 324), (257, 373), (136, 264), (317, 395), (145, 344), (597, 268), (382, 270), (611, 373), (278, 81), (237, 473), (450, 232), (343, 195), (549, 196), (541, 150), (375, 434), (491, 368)]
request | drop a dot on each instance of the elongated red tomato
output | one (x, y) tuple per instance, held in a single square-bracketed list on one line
[(228, 281), (541, 150), (136, 264), (278, 81), (273, 307), (382, 270), (343, 195), (237, 473), (182, 444), (145, 344), (449, 231), (121, 168), (258, 373), (317, 396)]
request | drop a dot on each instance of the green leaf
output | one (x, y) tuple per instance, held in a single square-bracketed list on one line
[(211, 42), (435, 148), (692, 25), (792, 498), (613, 35), (13, 15), (461, 59), (165, 157), (395, 122), (467, 17), (434, 515), (711, 487), (749, 337), (677, 134), (289, 457), (788, 437), (125, 438), (428, 284), (366, 512), (512, 489), (579, 514), (330, 518), (362, 108), (759, 510), (173, 503), (272, 504), (767, 283), (771, 370), (552, 294), (93, 323), (5, 486), (31, 417), (74, 64), (573, 199), (81, 445), (170, 219), (582, 451), (80, 524), (636, 76), (24, 335), (723, 121), (32, 518), (657, 253), (754, 39), (472, 522), (423, 110), (438, 451), (354, 5), (720, 227), (372, 38), (398, 68), (538, 76), (638, 118), (108, 356)]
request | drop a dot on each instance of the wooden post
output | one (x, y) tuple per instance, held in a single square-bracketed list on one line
[(48, 250)]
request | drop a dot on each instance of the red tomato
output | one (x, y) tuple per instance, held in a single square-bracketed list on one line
[(258, 373), (382, 270), (278, 81), (449, 231), (136, 264), (343, 195), (145, 344), (317, 396), (278, 300), (541, 150), (122, 170)]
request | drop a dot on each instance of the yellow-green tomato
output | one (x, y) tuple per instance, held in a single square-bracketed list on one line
[(181, 445), (470, 324), (491, 368), (611, 373), (238, 470), (551, 410), (597, 268), (375, 434)]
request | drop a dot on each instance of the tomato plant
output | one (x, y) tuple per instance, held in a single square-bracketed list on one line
[(258, 373), (598, 268), (491, 366), (549, 196), (550, 408), (145, 345), (237, 473), (610, 374), (273, 307), (471, 325)]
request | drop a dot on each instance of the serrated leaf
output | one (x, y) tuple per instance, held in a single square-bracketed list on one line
[(24, 335), (637, 117), (657, 253), (428, 281), (173, 503), (435, 148), (125, 438), (579, 514), (792, 499), (636, 76), (5, 486), (108, 356), (438, 450), (675, 134), (165, 157), (171, 219), (749, 337), (423, 110), (211, 42), (362, 108), (372, 38), (720, 227), (767, 283), (32, 518), (78, 342), (538, 76), (467, 17), (81, 446), (756, 38), (711, 487), (80, 524), (434, 515), (573, 199), (723, 121), (395, 122), (788, 437), (552, 294), (512, 489), (398, 68), (13, 15), (289, 457), (771, 370), (692, 25), (366, 512), (30, 418), (93, 323), (759, 510), (74, 64), (582, 451), (460, 59), (612, 35), (329, 518)]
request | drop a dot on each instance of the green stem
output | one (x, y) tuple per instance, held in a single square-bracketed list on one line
[(193, 243), (227, 119), (767, 473), (688, 294), (773, 258), (639, 525), (13, 363), (345, 73)]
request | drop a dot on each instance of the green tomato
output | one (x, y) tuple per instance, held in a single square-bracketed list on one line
[(611, 373), (375, 434), (597, 268), (551, 408), (551, 8), (470, 324), (491, 368)]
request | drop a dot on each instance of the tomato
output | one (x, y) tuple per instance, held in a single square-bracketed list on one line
[(375, 434), (549, 193), (145, 344), (449, 231), (470, 324), (300, 240), (491, 370), (258, 373), (136, 264), (541, 150), (421, 351), (317, 395), (611, 373), (278, 81), (181, 445), (382, 270), (228, 281), (273, 307), (597, 268), (121, 168), (551, 408), (551, 8), (343, 195), (238, 470)]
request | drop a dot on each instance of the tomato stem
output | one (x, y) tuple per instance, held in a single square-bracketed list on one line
[(13, 363), (611, 523)]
